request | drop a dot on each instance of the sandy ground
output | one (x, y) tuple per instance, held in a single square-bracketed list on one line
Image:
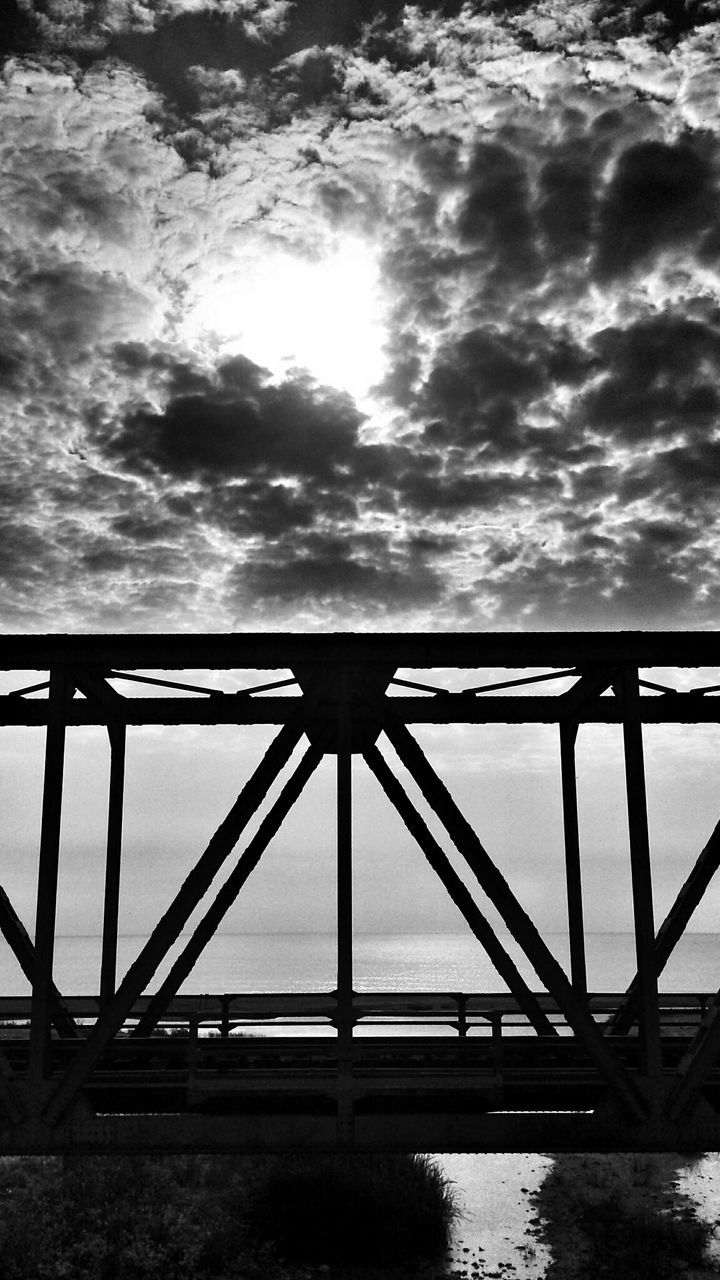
[(518, 1223), (494, 1234)]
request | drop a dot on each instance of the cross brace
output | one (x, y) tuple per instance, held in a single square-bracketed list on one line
[(342, 707)]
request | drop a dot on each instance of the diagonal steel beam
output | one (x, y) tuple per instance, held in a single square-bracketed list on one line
[(573, 871), (18, 939), (97, 690), (516, 919), (672, 929), (585, 690), (459, 893), (170, 926), (227, 895)]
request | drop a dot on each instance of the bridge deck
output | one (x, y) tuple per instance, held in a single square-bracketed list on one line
[(451, 1071)]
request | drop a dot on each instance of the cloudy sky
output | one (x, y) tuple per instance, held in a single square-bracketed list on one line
[(394, 311), (359, 315)]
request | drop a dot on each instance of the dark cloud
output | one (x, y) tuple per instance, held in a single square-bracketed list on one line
[(144, 528), (18, 29), (482, 382), (273, 458), (565, 210), (64, 302), (280, 470), (475, 389), (660, 196), (537, 216), (657, 377), (10, 368), (281, 465), (309, 78), (638, 579), (456, 490), (24, 551), (179, 377), (289, 58), (74, 194), (685, 479), (328, 569), (244, 427), (57, 312), (495, 215), (269, 509), (665, 21)]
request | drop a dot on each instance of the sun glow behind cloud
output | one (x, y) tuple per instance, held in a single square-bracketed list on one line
[(285, 311)]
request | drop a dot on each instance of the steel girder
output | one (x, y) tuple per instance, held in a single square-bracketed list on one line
[(343, 704)]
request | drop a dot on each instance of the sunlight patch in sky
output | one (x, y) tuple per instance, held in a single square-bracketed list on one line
[(285, 311)]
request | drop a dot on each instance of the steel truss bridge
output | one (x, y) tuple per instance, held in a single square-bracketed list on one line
[(140, 1066)]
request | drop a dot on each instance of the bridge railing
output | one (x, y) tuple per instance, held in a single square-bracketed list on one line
[(372, 1013)]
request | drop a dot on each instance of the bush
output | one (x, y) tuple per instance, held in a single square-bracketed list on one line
[(354, 1209), (214, 1217), (125, 1218), (620, 1216)]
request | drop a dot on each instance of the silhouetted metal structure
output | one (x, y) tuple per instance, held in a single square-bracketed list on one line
[(636, 1071)]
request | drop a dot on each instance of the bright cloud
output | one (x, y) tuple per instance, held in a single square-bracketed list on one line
[(284, 311)]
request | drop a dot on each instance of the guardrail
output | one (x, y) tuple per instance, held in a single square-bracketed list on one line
[(465, 1013), (407, 1070)]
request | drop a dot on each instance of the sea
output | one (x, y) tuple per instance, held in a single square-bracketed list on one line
[(305, 962), (497, 1232)]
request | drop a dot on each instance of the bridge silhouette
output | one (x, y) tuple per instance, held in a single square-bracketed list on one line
[(137, 1065)]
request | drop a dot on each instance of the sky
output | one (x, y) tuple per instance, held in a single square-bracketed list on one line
[(351, 315)]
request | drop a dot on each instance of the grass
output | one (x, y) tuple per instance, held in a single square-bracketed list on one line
[(620, 1217), (377, 1210), (216, 1217)]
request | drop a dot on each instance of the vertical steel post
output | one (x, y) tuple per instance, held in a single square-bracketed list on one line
[(345, 1114), (573, 875), (108, 965), (344, 877), (42, 987), (649, 1018)]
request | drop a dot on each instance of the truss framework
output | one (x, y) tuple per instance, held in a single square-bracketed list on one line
[(342, 697)]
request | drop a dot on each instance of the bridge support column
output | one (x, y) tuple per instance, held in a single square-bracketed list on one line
[(345, 956), (108, 965), (58, 696), (649, 1021), (573, 875)]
